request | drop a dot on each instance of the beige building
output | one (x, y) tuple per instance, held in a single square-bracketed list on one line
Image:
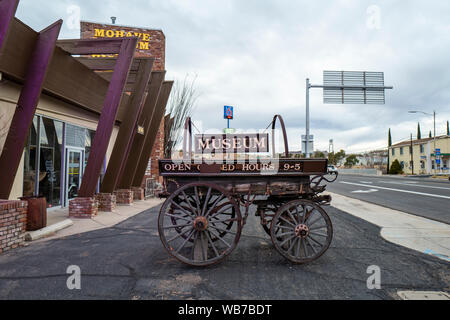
[(421, 156)]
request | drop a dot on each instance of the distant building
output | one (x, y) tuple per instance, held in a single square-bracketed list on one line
[(423, 157)]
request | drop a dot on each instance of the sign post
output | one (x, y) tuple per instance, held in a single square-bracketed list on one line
[(228, 114), (348, 87)]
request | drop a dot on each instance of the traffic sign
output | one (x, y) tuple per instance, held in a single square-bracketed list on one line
[(228, 112), (438, 152), (438, 161)]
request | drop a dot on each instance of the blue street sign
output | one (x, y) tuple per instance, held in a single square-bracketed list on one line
[(228, 112), (438, 152)]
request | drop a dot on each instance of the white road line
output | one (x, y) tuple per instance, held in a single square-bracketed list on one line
[(398, 190), (413, 184)]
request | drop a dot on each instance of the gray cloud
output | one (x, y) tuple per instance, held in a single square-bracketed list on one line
[(256, 55)]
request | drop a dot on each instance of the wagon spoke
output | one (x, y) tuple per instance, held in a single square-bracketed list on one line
[(185, 241), (314, 240), (281, 218), (206, 201), (197, 202), (220, 238), (183, 210), (178, 235), (291, 216), (212, 244), (227, 231), (186, 199), (179, 217), (215, 204), (286, 240), (178, 226), (319, 234), (312, 247)]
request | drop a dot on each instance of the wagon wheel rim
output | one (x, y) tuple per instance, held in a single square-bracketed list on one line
[(207, 232), (301, 231)]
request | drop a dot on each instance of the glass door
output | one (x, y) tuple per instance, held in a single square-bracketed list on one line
[(74, 167)]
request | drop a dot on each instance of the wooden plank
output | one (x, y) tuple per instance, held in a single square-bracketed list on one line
[(145, 119), (26, 107), (154, 128), (127, 129), (107, 118), (91, 46)]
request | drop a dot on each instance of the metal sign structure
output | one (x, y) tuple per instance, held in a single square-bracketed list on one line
[(348, 87), (228, 113)]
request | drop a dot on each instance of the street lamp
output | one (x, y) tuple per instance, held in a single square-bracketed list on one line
[(434, 129)]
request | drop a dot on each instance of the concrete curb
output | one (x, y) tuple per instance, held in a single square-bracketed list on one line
[(44, 232)]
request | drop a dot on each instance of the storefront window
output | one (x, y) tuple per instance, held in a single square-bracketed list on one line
[(50, 153), (29, 172)]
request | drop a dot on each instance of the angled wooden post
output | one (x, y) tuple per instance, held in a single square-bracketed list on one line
[(151, 137), (107, 118), (145, 119), (26, 107), (7, 11), (127, 128)]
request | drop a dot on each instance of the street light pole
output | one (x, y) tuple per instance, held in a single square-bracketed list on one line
[(307, 118)]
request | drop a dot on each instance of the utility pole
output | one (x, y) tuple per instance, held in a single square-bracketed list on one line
[(307, 118), (412, 159)]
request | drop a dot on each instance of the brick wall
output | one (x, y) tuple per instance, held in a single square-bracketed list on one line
[(151, 43), (13, 218)]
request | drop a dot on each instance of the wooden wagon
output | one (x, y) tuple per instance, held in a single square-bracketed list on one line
[(208, 203)]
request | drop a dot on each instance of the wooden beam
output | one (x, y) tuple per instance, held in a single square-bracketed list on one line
[(91, 46), (26, 107), (127, 129), (7, 11), (107, 118), (145, 119), (151, 137), (66, 79)]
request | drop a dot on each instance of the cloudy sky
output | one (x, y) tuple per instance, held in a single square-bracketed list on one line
[(256, 55)]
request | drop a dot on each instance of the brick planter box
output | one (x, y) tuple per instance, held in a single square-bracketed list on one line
[(13, 220), (138, 193), (124, 196), (83, 208), (106, 201)]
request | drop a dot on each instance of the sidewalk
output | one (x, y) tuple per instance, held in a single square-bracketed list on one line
[(414, 232), (59, 225)]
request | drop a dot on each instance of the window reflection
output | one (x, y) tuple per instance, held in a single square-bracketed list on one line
[(51, 133)]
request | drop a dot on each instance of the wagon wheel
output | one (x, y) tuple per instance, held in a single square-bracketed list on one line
[(301, 231), (178, 222), (200, 224)]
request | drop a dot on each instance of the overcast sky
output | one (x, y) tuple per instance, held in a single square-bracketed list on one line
[(256, 55)]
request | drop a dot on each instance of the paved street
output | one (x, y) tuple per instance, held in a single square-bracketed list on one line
[(429, 199), (128, 262)]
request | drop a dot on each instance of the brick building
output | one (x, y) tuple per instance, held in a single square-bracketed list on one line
[(152, 43)]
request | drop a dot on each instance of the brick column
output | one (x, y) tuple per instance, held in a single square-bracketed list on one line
[(124, 196), (83, 207), (13, 218), (138, 193), (106, 202)]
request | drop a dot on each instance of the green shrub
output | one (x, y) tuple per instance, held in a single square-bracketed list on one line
[(396, 168)]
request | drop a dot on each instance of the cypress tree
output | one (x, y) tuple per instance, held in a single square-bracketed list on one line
[(448, 129), (419, 134), (430, 135)]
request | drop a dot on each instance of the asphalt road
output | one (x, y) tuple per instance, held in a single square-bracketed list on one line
[(429, 199), (128, 261)]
